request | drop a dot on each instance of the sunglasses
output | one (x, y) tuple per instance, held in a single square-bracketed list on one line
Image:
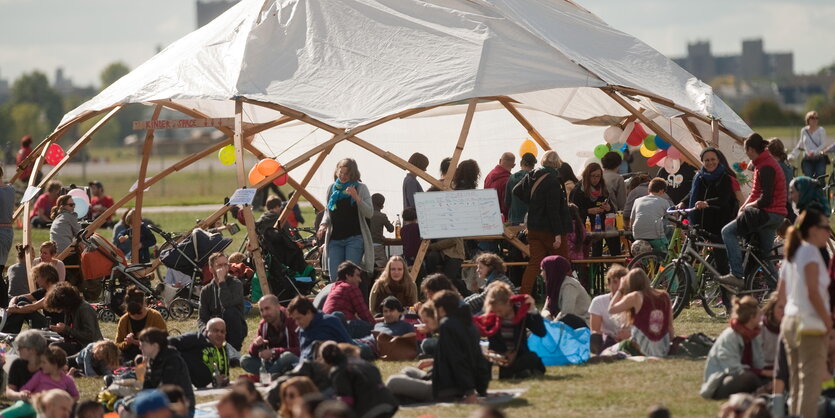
[(824, 226), (72, 205), (813, 117)]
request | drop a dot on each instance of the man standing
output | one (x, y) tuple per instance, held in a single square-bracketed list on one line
[(223, 298), (276, 345), (762, 212), (99, 202), (207, 354), (516, 208), (497, 178)]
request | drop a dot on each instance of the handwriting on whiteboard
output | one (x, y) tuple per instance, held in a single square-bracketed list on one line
[(461, 213)]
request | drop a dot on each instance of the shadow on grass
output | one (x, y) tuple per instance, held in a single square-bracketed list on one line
[(547, 377)]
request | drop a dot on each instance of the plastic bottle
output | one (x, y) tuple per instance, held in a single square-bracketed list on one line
[(215, 375), (588, 225), (264, 375), (397, 226), (598, 223)]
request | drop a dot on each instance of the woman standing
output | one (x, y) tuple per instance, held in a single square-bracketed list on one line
[(344, 228), (396, 281), (648, 311), (592, 198), (813, 144), (136, 318), (807, 321), (65, 224)]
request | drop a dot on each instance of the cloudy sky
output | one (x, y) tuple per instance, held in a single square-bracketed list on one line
[(83, 36)]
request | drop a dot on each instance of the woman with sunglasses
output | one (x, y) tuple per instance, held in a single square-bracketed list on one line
[(813, 144), (64, 222)]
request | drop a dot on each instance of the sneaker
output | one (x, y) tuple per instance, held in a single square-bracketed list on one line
[(731, 280)]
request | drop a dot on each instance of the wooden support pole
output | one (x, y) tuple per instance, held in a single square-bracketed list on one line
[(136, 221), (462, 139), (282, 218), (714, 130), (421, 254), (249, 219), (694, 131), (526, 124), (388, 156), (27, 223), (688, 156)]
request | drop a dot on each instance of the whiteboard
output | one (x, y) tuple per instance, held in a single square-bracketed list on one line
[(460, 213)]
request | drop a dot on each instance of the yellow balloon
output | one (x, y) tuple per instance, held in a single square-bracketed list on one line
[(226, 155), (528, 146), (646, 152)]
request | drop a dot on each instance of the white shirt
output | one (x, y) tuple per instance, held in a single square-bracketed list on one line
[(797, 295), (58, 264), (810, 142), (600, 306)]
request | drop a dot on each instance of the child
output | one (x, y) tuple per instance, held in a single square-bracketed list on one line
[(648, 213), (294, 218), (392, 323), (379, 221), (18, 280), (410, 235), (100, 358), (51, 375), (241, 271)]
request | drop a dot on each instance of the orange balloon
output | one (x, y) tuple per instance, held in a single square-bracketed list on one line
[(255, 176), (268, 166)]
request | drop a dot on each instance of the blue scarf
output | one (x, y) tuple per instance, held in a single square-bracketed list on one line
[(338, 192), (701, 176)]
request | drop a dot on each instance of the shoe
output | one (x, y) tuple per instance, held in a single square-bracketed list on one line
[(731, 280)]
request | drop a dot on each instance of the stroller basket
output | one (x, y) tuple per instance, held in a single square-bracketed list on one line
[(193, 252)]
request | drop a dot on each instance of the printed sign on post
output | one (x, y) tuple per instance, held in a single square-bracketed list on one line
[(242, 197)]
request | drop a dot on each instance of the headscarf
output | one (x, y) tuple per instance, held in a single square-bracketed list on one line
[(811, 195), (556, 267), (338, 192)]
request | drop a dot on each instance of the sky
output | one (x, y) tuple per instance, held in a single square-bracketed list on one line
[(83, 36)]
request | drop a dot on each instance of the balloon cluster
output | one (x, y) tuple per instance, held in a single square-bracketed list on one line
[(265, 168), (653, 147), (81, 200), (740, 169)]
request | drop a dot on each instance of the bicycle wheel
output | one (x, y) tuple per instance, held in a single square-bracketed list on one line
[(715, 298), (674, 279), (650, 262), (763, 281)]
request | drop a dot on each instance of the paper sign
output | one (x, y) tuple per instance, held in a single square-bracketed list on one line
[(461, 213), (136, 184), (243, 197), (30, 192)]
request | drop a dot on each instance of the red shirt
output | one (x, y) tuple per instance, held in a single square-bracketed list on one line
[(22, 153), (497, 179), (105, 201), (44, 202), (347, 298)]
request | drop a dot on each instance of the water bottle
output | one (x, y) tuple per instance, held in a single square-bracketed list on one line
[(397, 226), (598, 223), (264, 375)]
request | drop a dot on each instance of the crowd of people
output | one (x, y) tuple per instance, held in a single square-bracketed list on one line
[(317, 355)]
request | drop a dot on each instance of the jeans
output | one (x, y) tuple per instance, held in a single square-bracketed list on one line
[(284, 362), (357, 328), (348, 249), (813, 168), (766, 234)]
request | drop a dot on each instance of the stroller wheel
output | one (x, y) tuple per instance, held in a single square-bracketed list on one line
[(106, 315), (166, 314), (180, 309)]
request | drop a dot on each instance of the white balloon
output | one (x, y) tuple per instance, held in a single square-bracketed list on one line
[(79, 193), (672, 165), (612, 134), (82, 206)]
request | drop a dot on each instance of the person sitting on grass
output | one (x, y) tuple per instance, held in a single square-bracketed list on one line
[(89, 409), (50, 376), (396, 281), (358, 383), (53, 403), (40, 215), (346, 300), (606, 329), (207, 353), (31, 347), (505, 323), (735, 361), (164, 364), (291, 394), (648, 215), (18, 278), (100, 358), (393, 323), (223, 298), (80, 324), (315, 325), (136, 318), (566, 299), (27, 308), (276, 344), (123, 237), (489, 268), (48, 251), (649, 313)]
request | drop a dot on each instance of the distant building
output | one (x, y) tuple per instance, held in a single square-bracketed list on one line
[(753, 63), (64, 86), (5, 91), (208, 10)]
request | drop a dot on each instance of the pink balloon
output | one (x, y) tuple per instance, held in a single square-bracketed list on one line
[(674, 153), (79, 193)]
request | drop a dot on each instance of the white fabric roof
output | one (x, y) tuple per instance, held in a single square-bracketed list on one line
[(349, 62)]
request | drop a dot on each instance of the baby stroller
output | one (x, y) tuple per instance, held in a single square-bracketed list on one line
[(188, 257), (102, 259), (288, 274)]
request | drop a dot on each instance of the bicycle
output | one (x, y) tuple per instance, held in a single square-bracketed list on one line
[(679, 277)]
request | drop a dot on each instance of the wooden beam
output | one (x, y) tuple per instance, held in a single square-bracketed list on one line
[(694, 131), (462, 138), (526, 124), (421, 254), (249, 219), (266, 125), (714, 130), (399, 162), (688, 156), (27, 222), (282, 218), (136, 221)]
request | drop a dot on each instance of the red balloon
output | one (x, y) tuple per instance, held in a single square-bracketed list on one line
[(54, 154), (657, 157), (280, 180), (637, 136)]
